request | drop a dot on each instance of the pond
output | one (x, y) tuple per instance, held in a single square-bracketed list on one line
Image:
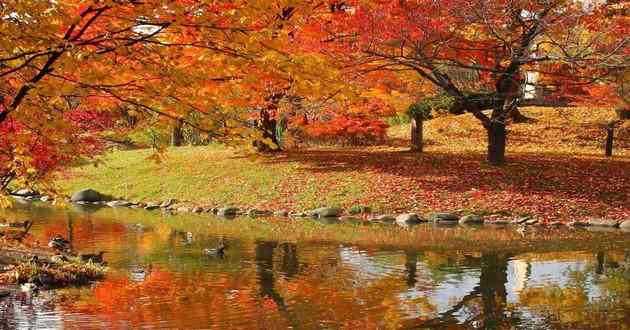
[(160, 278)]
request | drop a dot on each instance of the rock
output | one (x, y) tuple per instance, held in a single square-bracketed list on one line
[(4, 294), (625, 225), (470, 219), (45, 198), (258, 213), (25, 192), (442, 217), (118, 204), (227, 211), (87, 195), (168, 203), (281, 213), (326, 212), (556, 223), (601, 229), (152, 206), (385, 218), (198, 209), (521, 220), (502, 222), (358, 209), (408, 219), (298, 214), (603, 223), (183, 209), (531, 222), (578, 224)]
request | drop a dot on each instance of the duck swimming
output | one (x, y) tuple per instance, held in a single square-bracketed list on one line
[(59, 243), (94, 258), (218, 251)]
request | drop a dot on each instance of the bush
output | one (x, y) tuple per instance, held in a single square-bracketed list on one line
[(427, 106), (343, 130)]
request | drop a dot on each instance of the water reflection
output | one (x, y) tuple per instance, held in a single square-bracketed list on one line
[(160, 279)]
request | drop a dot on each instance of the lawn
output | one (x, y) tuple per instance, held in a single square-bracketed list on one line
[(553, 166)]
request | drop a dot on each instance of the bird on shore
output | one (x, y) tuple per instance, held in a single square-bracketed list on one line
[(218, 251), (59, 243), (94, 258)]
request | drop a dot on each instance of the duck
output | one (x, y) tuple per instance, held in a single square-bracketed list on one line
[(94, 258), (218, 251), (59, 243)]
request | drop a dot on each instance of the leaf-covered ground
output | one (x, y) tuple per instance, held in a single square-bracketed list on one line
[(556, 170)]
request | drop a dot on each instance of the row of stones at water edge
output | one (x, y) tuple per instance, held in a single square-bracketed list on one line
[(360, 214)]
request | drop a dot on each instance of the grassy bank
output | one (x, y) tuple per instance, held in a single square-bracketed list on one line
[(556, 171)]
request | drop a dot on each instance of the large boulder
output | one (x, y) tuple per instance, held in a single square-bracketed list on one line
[(603, 222), (442, 217), (25, 192), (471, 219), (385, 218), (326, 212), (227, 211), (87, 195), (115, 204), (408, 219)]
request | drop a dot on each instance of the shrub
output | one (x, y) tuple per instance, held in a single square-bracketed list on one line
[(344, 130)]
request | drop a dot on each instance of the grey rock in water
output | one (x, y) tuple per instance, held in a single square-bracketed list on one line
[(198, 209), (168, 203), (87, 195), (183, 209), (118, 204), (227, 211), (281, 213), (521, 220), (471, 219), (531, 222), (408, 219), (442, 217), (384, 218), (578, 224), (326, 212), (603, 222), (25, 192), (556, 223), (152, 206), (45, 198), (625, 225), (258, 213)]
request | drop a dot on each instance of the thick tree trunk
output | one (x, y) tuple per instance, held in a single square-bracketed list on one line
[(497, 136), (417, 143), (609, 141), (177, 136)]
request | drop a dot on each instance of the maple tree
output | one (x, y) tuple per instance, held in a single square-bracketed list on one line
[(498, 40), (155, 62)]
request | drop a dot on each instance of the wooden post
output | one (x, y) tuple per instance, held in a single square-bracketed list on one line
[(417, 120), (609, 140)]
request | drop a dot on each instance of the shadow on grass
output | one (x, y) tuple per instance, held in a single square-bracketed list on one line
[(562, 176)]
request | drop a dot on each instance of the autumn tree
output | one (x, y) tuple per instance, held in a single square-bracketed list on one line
[(159, 61), (499, 40)]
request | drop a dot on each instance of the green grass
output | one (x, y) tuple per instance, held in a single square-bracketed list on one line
[(210, 175)]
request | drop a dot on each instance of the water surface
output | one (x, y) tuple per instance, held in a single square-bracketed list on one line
[(160, 279)]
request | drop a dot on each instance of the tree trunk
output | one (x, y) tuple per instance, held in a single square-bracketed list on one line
[(497, 135), (177, 136), (609, 141), (417, 121)]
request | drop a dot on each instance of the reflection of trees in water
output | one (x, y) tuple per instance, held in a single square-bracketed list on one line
[(490, 295), (289, 267), (411, 268)]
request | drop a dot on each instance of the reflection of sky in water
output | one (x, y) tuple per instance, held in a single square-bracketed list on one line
[(451, 289), (369, 268), (35, 312), (522, 275)]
